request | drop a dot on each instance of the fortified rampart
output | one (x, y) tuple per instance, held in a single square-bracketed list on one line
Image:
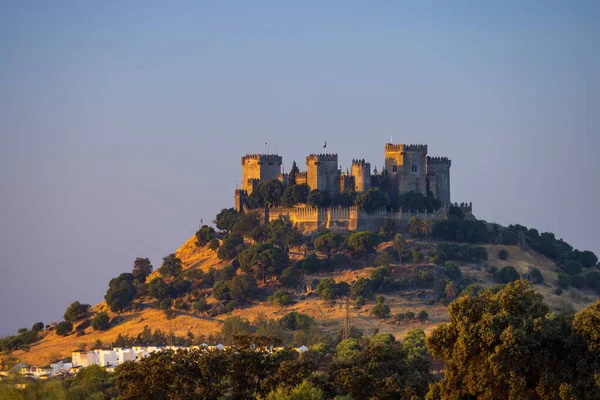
[(341, 219)]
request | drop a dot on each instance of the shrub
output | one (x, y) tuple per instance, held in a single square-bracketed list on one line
[(231, 247), (593, 280), (64, 328), (281, 298), (243, 288), (423, 315), (101, 321), (564, 281), (506, 274), (76, 311), (296, 321), (535, 276), (290, 277), (381, 309), (213, 244), (37, 327), (361, 243), (200, 305), (578, 281), (165, 304), (452, 270), (503, 254), (204, 235), (221, 291)]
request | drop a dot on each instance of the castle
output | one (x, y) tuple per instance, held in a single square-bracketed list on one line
[(407, 168)]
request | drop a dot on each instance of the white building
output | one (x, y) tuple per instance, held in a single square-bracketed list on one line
[(82, 358)]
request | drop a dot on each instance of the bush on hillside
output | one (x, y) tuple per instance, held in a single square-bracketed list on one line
[(64, 328), (563, 281), (281, 298), (101, 321), (506, 274), (76, 311), (503, 254), (534, 276)]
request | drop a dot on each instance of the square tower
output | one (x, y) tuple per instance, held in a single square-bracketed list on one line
[(406, 168), (259, 167), (361, 171), (322, 173), (438, 176)]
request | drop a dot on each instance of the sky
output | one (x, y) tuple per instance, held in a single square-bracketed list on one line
[(122, 123)]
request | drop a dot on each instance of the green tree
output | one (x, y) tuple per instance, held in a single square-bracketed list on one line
[(171, 266), (361, 243), (231, 246), (304, 391), (290, 277), (295, 194), (64, 328), (563, 281), (281, 298), (214, 244), (141, 269), (226, 219), (508, 345), (371, 200), (346, 349), (319, 199), (121, 292), (328, 242), (282, 234), (506, 274), (101, 321), (292, 176), (263, 259), (535, 276), (398, 245), (76, 311), (380, 309), (158, 289), (451, 290), (221, 290), (38, 327), (204, 235), (233, 326), (503, 254), (243, 288)]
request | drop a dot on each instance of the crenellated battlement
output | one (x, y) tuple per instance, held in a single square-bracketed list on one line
[(394, 147), (360, 163), (262, 158), (439, 161), (417, 148), (407, 167), (322, 158)]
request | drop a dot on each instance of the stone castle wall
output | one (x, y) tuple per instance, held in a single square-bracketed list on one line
[(342, 219), (322, 172)]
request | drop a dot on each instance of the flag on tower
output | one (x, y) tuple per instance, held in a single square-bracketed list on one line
[(325, 145)]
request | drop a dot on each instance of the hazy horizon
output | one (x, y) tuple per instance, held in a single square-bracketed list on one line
[(123, 124)]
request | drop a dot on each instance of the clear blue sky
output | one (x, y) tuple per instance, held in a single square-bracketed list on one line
[(123, 123)]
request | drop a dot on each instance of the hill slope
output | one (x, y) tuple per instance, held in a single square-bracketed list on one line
[(328, 315)]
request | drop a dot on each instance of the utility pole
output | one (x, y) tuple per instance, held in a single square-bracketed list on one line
[(346, 326)]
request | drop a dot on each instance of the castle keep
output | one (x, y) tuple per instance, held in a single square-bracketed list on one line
[(407, 168)]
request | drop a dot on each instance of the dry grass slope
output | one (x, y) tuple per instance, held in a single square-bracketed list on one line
[(328, 316)]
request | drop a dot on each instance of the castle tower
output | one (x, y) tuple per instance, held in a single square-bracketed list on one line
[(239, 199), (406, 168), (361, 171), (347, 183), (322, 172), (438, 176), (259, 167)]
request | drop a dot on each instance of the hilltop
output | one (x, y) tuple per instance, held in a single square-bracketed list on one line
[(329, 313)]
